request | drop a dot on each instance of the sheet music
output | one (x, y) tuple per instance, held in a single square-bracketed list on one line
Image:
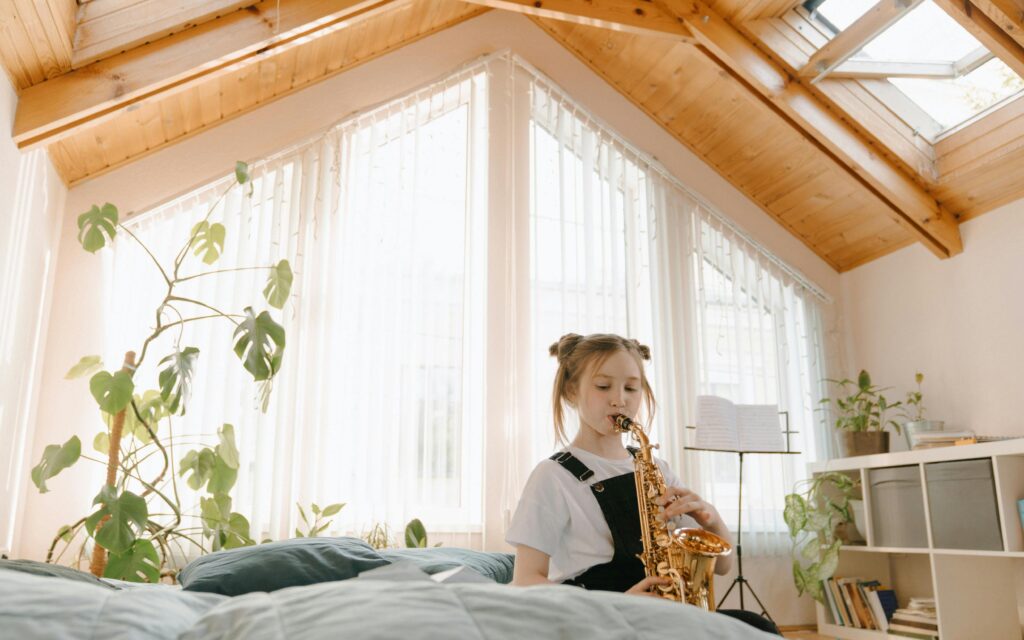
[(758, 427), (716, 424)]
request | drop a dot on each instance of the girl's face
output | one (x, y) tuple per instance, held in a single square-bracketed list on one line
[(609, 390)]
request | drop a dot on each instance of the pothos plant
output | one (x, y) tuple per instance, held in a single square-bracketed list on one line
[(137, 517), (812, 513)]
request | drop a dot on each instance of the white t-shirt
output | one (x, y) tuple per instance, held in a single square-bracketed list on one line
[(559, 515)]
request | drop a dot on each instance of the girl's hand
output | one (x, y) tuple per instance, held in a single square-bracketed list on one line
[(678, 501), (645, 587)]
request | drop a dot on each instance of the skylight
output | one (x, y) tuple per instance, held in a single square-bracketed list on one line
[(926, 54)]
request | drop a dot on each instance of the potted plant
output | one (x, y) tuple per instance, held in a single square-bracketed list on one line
[(860, 417), (914, 413), (817, 514), (138, 527)]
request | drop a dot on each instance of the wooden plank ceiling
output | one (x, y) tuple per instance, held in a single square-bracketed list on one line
[(104, 82)]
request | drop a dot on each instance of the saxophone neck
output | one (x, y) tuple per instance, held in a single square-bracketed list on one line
[(626, 425)]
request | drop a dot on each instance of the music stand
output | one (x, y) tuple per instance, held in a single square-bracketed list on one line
[(739, 579)]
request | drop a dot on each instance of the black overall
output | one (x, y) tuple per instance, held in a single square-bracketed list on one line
[(620, 507)]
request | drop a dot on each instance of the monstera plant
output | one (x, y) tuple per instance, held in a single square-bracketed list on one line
[(137, 515)]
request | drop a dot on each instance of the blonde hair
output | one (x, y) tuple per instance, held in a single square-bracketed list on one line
[(576, 354)]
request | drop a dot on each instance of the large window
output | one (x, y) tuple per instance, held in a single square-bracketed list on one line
[(441, 242)]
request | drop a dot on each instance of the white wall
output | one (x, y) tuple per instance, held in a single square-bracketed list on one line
[(31, 208), (959, 321), (194, 161)]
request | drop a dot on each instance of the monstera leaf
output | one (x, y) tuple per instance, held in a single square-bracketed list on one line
[(279, 285), (128, 514), (96, 225), (208, 240), (85, 366), (200, 465), (259, 343), (140, 563), (152, 409), (227, 450), (176, 378), (227, 529), (56, 458), (112, 392)]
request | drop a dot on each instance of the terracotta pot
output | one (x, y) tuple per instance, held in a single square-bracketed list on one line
[(863, 443)]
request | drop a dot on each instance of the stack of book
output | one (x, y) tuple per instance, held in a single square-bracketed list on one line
[(931, 439), (918, 620), (858, 603)]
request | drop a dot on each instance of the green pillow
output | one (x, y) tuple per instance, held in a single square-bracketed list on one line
[(496, 566), (276, 565), (53, 570)]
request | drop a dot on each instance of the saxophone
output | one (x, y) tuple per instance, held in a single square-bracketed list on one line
[(686, 556)]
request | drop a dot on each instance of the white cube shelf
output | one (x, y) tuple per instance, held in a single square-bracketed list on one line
[(978, 593)]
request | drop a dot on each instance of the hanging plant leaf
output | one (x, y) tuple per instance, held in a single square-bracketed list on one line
[(112, 392), (152, 409), (140, 563), (200, 465), (208, 240), (128, 514), (101, 443), (241, 172), (56, 458), (226, 450), (259, 343), (332, 509), (222, 478), (85, 366), (226, 529), (96, 225), (279, 285), (176, 379)]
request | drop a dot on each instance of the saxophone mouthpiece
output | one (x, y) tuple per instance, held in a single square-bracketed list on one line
[(622, 423)]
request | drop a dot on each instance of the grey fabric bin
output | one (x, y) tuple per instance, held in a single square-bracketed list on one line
[(897, 507), (962, 505)]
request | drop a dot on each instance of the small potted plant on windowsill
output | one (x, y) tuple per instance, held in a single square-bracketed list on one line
[(860, 417), (914, 413)]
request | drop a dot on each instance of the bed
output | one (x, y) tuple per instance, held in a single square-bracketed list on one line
[(391, 606)]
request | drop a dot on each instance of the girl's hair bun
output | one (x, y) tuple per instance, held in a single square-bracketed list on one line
[(642, 349), (565, 345)]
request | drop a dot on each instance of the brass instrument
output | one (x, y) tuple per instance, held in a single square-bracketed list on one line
[(687, 556)]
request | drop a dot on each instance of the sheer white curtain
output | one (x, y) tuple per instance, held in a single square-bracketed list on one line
[(441, 242), (31, 223), (378, 402), (621, 246)]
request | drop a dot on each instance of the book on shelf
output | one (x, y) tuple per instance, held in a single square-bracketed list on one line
[(932, 439), (725, 426), (858, 603)]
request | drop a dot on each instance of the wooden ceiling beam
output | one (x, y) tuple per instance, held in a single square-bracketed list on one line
[(988, 33), (1007, 14), (639, 17), (108, 27), (851, 39), (909, 204), (53, 109)]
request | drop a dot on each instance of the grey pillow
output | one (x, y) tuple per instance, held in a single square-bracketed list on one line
[(53, 571), (496, 566), (277, 565)]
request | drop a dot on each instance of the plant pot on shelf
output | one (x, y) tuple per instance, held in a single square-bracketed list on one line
[(910, 429), (862, 443)]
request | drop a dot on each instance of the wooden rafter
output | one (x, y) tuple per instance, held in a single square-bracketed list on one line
[(988, 33), (106, 27), (1008, 14), (910, 205), (631, 16), (893, 69), (85, 96), (851, 39)]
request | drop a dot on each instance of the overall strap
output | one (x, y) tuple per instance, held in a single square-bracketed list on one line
[(573, 465)]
